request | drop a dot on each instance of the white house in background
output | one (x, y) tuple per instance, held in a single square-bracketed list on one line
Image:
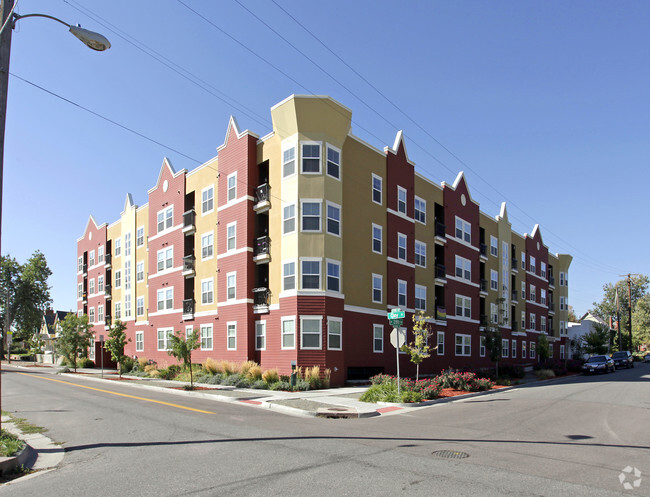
[(585, 325)]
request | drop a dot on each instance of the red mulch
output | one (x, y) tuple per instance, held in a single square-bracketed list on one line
[(194, 388), (452, 392)]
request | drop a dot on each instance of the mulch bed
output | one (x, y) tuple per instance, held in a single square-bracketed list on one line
[(452, 392), (194, 388)]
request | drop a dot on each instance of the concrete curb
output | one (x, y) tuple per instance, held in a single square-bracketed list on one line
[(40, 452), (9, 464)]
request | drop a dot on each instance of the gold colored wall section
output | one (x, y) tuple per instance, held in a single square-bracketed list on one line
[(142, 221)]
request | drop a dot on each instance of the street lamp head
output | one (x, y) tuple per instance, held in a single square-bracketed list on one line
[(90, 38)]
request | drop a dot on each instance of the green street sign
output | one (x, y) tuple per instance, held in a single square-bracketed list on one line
[(396, 314)]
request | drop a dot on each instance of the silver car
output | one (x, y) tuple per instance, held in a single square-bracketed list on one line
[(598, 364)]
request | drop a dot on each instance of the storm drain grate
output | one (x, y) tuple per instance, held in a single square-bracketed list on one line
[(450, 454)]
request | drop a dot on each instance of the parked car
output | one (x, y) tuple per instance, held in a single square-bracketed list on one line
[(623, 359), (598, 364), (647, 357)]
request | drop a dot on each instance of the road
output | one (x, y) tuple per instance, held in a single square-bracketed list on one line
[(569, 437)]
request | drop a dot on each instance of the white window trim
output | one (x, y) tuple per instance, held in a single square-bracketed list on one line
[(164, 212), (283, 319), (421, 287), (481, 346), (465, 299), (463, 354), (167, 331), (494, 244), (143, 236), (340, 277), (320, 273), (465, 225), (462, 266), (141, 347), (406, 200), (331, 319), (295, 219), (381, 240), (228, 325), (263, 323), (381, 190), (320, 215), (418, 242), (228, 226), (287, 145), (320, 157), (211, 280), (165, 269), (228, 275), (376, 327), (340, 220), (203, 213), (320, 334), (336, 149), (406, 295), (211, 332), (415, 200), (402, 236), (372, 287), (228, 200), (295, 275), (438, 350)]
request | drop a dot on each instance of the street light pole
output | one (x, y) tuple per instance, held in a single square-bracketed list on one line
[(91, 39)]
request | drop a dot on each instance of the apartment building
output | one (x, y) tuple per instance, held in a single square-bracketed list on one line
[(289, 250)]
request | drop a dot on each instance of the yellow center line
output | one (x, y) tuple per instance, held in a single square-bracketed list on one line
[(120, 394)]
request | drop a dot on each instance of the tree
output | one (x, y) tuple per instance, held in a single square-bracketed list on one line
[(116, 342), (419, 348), (24, 295), (641, 322), (492, 334), (597, 340), (35, 344), (182, 348), (74, 338), (573, 318), (543, 348)]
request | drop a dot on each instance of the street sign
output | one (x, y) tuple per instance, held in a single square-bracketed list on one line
[(398, 337), (396, 314)]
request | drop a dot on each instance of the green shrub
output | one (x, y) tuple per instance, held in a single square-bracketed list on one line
[(381, 392), (9, 444), (411, 396), (84, 362), (236, 380), (285, 377), (280, 385), (260, 385), (544, 374), (271, 376), (127, 365)]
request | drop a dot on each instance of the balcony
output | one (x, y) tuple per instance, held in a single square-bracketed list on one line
[(107, 292), (514, 264), (441, 274), (441, 314), (188, 309), (84, 297), (189, 222), (440, 234), (263, 198), (107, 322), (483, 320), (85, 269), (551, 307), (484, 286), (108, 259), (261, 300), (551, 281), (515, 327), (262, 250), (513, 296), (483, 250), (189, 262)]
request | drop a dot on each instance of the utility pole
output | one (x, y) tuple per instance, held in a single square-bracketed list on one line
[(618, 321), (629, 306)]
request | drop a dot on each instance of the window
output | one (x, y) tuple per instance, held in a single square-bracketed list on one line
[(533, 293), (163, 338), (562, 303), (100, 254), (463, 306), (463, 345), (563, 328), (401, 293), (310, 274), (523, 349), (542, 296), (118, 247), (139, 341), (440, 344), (542, 266), (207, 335), (139, 271), (523, 290), (376, 238), (127, 245), (80, 264), (494, 313), (481, 349), (207, 200), (333, 219), (532, 350), (231, 286), (288, 333), (260, 335), (514, 349), (504, 347), (494, 279), (289, 276), (377, 288), (532, 321), (311, 158), (420, 210), (232, 187), (531, 264), (139, 236), (165, 258), (91, 315), (288, 162), (165, 299), (420, 298), (91, 258), (289, 219), (231, 236), (494, 246), (562, 352), (139, 306), (127, 275), (401, 200), (165, 219), (376, 189), (118, 278), (189, 332), (401, 246), (127, 305), (118, 310), (100, 313), (542, 323), (333, 162), (463, 230), (420, 254), (334, 276), (207, 246), (523, 261), (463, 268), (378, 338), (310, 332), (523, 320), (311, 216), (80, 290), (91, 286), (334, 341), (207, 291), (561, 279)]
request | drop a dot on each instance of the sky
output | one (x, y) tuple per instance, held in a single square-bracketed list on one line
[(543, 105)]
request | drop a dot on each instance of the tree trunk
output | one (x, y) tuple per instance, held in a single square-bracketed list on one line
[(417, 372)]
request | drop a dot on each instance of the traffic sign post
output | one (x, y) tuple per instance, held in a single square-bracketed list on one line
[(397, 336)]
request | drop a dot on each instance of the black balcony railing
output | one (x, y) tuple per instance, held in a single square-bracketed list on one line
[(263, 193), (515, 263), (107, 291), (484, 285), (85, 269), (551, 280), (441, 271), (515, 326), (440, 229), (108, 259), (188, 263), (261, 296), (483, 249), (262, 246), (551, 306), (514, 295), (189, 218), (108, 320), (484, 320), (188, 307)]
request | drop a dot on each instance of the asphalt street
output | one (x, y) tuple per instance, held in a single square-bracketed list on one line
[(569, 437)]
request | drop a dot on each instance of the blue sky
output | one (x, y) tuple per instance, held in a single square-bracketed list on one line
[(543, 104)]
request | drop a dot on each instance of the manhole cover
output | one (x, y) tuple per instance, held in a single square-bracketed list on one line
[(450, 454)]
